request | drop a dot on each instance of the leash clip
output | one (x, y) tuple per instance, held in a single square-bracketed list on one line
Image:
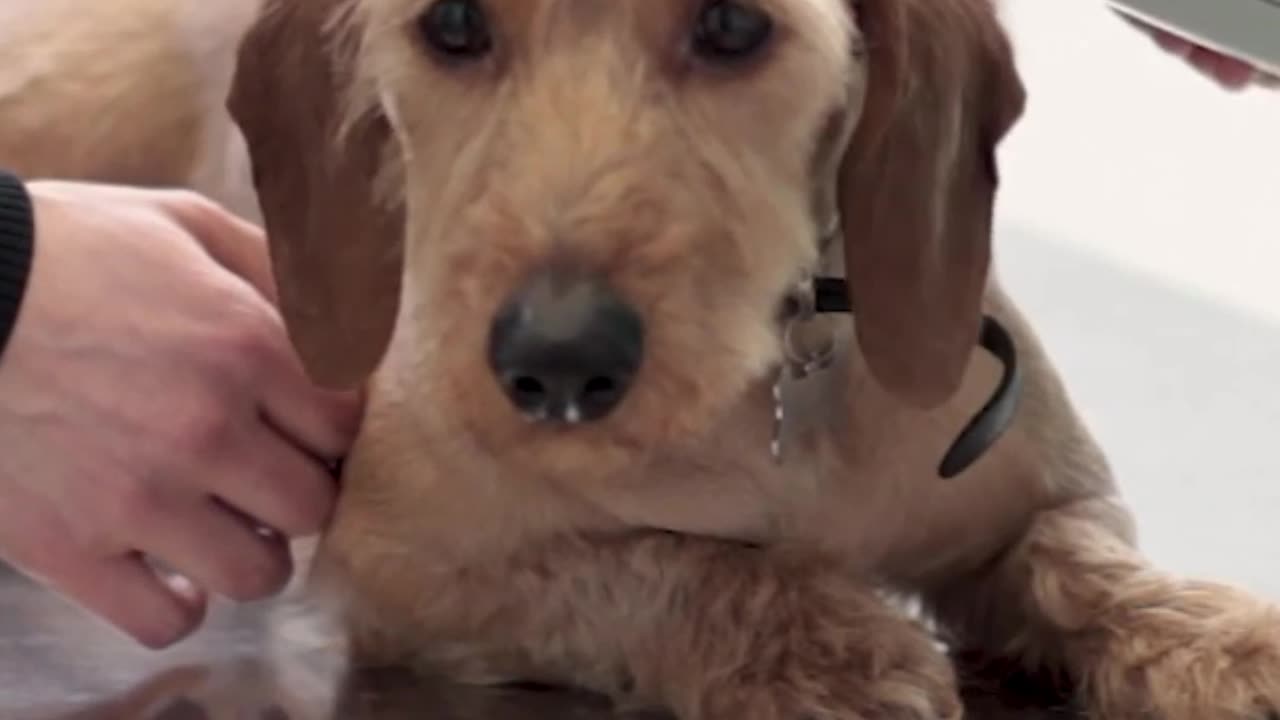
[(808, 347), (805, 355)]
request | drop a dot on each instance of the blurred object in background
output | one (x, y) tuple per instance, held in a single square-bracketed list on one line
[(1235, 42)]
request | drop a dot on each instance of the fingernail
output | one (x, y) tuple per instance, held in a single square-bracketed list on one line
[(186, 590), (267, 533)]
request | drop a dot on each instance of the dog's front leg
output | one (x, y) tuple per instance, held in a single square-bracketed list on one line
[(710, 630), (1075, 596)]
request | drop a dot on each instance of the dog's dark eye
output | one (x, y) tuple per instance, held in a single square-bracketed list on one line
[(457, 28), (728, 29)]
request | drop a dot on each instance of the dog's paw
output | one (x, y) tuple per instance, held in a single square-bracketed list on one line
[(886, 669), (1208, 653)]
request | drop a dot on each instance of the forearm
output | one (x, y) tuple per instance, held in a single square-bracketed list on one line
[(17, 242)]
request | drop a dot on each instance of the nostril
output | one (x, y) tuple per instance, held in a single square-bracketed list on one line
[(599, 386), (528, 392), (599, 392), (596, 397)]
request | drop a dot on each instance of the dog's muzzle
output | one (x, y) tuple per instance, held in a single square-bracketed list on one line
[(566, 347)]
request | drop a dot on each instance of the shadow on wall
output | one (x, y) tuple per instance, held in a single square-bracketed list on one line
[(1182, 390)]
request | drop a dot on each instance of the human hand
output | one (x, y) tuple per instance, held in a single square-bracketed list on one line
[(151, 408), (1227, 71)]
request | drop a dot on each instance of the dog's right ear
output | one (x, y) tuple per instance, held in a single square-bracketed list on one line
[(336, 244), (918, 187)]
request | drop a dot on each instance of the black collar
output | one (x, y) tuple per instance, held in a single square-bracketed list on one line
[(831, 295)]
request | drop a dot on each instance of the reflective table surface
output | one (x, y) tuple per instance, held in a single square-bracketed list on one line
[(57, 664)]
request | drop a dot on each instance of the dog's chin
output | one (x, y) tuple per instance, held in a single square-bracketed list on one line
[(568, 455)]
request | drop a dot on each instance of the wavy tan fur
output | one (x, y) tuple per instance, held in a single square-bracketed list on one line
[(129, 91)]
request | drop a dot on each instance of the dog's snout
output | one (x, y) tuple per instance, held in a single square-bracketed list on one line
[(566, 348)]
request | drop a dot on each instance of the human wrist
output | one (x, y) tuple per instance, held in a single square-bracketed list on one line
[(17, 244)]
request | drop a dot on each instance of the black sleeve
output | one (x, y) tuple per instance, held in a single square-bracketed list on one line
[(17, 241)]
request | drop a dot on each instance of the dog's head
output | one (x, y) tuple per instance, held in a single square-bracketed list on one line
[(566, 227)]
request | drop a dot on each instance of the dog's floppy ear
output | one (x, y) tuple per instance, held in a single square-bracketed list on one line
[(917, 186), (335, 244)]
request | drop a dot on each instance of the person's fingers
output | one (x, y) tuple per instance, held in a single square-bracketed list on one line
[(1228, 71), (280, 487), (235, 243), (322, 422), (114, 584), (1167, 41), (125, 592), (217, 549)]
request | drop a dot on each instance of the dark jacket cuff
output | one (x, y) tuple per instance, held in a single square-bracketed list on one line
[(17, 243)]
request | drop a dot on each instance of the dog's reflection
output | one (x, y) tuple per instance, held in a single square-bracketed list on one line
[(248, 689), (253, 688)]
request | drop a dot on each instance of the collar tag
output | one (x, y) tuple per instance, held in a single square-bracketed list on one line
[(809, 346), (808, 341)]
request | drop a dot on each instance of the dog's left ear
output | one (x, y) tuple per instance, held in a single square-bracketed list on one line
[(917, 186), (336, 242)]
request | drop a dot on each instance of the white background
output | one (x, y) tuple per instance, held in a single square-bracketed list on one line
[(1140, 227)]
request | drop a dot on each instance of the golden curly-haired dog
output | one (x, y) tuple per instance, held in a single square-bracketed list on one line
[(574, 250), (128, 91), (561, 239)]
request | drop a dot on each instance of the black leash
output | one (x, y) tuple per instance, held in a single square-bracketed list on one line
[(831, 295)]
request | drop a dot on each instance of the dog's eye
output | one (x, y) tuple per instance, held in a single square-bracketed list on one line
[(728, 29), (456, 28)]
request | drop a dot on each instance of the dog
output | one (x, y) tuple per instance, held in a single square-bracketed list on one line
[(574, 252), (130, 92), (559, 242)]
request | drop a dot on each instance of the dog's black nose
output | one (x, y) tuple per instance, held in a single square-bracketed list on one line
[(566, 348)]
